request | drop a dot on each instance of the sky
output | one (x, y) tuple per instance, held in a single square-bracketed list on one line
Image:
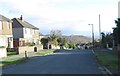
[(69, 16)]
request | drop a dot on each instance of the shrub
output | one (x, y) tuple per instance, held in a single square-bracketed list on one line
[(29, 44)]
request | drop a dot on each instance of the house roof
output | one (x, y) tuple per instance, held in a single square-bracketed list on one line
[(21, 23), (4, 18)]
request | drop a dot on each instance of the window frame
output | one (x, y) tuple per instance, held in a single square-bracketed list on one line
[(1, 25), (8, 24)]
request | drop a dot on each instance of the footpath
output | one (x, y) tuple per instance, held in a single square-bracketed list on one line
[(20, 55)]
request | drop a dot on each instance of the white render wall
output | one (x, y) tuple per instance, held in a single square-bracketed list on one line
[(3, 41), (3, 52), (27, 33)]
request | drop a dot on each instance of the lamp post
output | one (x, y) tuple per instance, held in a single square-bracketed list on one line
[(92, 34)]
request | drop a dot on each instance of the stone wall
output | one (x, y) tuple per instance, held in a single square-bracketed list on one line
[(3, 52), (55, 47), (29, 49)]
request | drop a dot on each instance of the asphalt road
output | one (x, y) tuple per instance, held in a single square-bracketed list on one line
[(64, 62)]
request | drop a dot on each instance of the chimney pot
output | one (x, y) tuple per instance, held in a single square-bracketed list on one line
[(21, 18)]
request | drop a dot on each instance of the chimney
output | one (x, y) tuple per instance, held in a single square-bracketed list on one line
[(21, 18)]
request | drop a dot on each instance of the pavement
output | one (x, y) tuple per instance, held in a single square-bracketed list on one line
[(20, 55), (63, 62)]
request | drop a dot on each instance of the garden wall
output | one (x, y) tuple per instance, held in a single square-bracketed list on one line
[(29, 49)]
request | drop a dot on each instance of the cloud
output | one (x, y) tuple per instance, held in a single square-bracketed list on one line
[(70, 16)]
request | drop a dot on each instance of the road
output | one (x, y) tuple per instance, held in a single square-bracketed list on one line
[(63, 62)]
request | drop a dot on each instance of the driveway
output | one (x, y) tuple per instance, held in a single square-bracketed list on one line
[(63, 62)]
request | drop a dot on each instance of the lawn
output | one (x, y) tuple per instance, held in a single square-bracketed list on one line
[(11, 53), (108, 58), (44, 52), (4, 63)]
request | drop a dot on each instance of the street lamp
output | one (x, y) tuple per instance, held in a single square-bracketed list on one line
[(92, 34)]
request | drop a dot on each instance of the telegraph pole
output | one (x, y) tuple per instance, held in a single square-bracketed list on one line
[(99, 27), (100, 31)]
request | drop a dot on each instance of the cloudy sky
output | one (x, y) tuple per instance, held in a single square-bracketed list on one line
[(69, 16)]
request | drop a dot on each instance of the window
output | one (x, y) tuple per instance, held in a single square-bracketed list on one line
[(30, 31), (0, 25), (2, 41), (34, 31), (8, 25), (37, 31), (25, 30)]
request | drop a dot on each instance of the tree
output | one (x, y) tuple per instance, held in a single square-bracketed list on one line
[(55, 37), (56, 33), (61, 42), (116, 31), (107, 40), (52, 40), (70, 45), (103, 41), (44, 42), (73, 45), (66, 45)]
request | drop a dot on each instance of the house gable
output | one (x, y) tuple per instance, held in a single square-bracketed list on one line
[(17, 23)]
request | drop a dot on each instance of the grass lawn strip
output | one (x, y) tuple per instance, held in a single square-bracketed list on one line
[(12, 61), (108, 58), (11, 53)]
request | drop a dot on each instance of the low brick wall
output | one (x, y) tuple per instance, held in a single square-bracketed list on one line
[(3, 52), (39, 48), (29, 49), (26, 48)]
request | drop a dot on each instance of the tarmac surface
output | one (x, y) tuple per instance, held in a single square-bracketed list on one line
[(63, 62)]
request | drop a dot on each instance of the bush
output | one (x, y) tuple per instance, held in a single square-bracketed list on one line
[(29, 44)]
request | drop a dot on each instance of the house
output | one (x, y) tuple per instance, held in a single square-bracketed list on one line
[(24, 32), (6, 36)]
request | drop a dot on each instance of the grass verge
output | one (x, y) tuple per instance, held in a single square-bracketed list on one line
[(44, 52), (4, 63), (108, 59)]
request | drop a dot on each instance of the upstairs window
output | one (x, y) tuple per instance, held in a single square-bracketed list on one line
[(8, 25), (25, 30), (34, 31), (30, 31), (0, 25)]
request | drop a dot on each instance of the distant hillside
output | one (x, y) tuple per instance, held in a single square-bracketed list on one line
[(78, 39)]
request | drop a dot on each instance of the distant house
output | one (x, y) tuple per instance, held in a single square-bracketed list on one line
[(6, 36), (24, 32)]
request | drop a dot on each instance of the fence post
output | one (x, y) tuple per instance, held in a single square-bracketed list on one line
[(26, 55)]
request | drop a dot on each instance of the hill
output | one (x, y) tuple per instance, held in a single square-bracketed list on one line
[(78, 39)]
